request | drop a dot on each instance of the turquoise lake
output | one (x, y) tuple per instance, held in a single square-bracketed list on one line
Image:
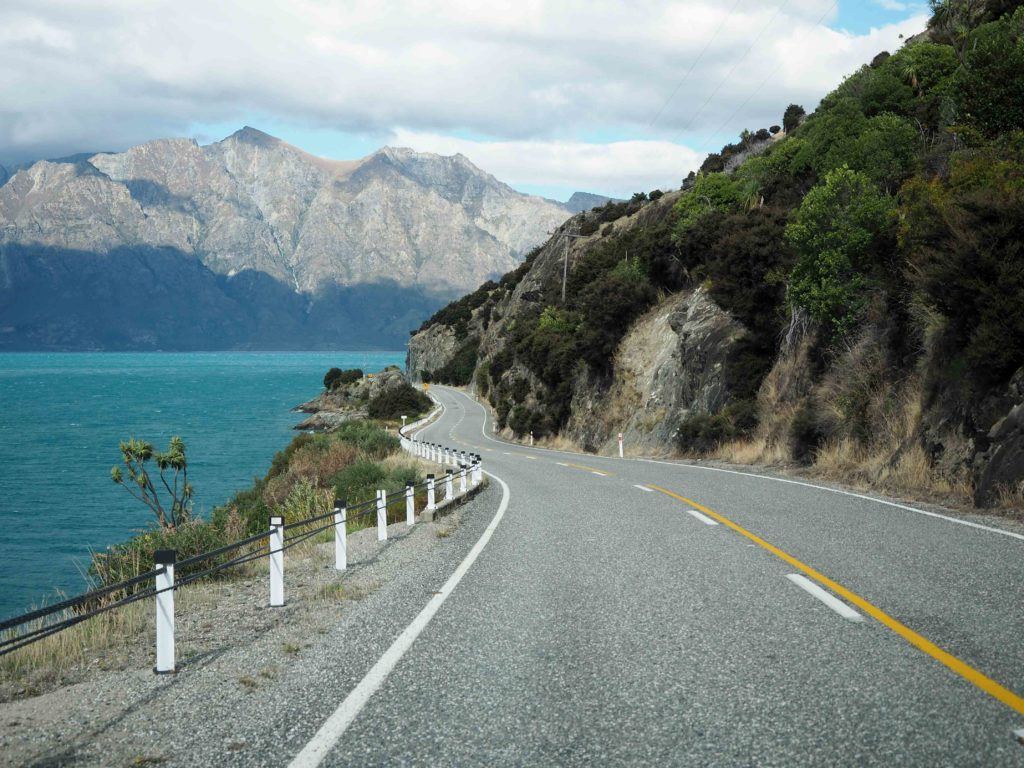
[(63, 414)]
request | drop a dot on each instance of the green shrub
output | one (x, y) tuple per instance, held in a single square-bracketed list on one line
[(336, 377), (990, 85), (837, 234), (393, 403), (703, 433), (483, 378), (964, 242), (358, 481), (792, 116), (459, 370), (713, 192), (127, 560)]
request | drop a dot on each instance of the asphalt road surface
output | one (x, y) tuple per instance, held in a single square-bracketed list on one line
[(630, 612)]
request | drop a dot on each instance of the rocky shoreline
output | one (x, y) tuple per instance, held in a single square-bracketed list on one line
[(334, 407)]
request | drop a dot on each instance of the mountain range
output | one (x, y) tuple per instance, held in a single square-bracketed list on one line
[(250, 243)]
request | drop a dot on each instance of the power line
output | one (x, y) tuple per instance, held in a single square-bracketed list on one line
[(695, 62), (761, 85), (739, 61)]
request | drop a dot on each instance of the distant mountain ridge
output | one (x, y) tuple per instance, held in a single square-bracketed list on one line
[(584, 201), (224, 217)]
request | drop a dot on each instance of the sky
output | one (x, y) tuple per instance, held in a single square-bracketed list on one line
[(550, 97)]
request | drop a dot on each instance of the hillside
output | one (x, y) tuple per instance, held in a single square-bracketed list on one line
[(248, 242), (845, 294)]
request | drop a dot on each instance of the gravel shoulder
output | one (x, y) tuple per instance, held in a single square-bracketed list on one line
[(242, 664)]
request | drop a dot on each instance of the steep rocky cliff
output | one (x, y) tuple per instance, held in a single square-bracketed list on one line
[(327, 232), (847, 297)]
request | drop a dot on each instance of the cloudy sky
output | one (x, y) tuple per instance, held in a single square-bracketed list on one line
[(551, 97)]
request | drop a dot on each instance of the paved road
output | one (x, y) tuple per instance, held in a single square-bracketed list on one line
[(626, 612)]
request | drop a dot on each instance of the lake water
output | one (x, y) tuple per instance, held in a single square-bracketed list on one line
[(63, 414)]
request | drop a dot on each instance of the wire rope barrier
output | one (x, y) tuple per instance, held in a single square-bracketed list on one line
[(271, 543)]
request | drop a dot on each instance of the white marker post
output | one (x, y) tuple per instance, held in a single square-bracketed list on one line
[(449, 485), (531, 438), (382, 515), (410, 504), (276, 561), (165, 559), (340, 535), (431, 506), (462, 479), (620, 445)]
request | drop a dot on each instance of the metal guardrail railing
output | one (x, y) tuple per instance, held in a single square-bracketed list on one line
[(75, 610)]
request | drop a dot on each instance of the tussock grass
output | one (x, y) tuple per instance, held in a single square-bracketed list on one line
[(105, 639)]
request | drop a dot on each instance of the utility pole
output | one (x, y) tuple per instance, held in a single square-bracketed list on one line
[(565, 260)]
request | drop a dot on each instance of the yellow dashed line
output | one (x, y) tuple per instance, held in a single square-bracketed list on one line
[(973, 676)]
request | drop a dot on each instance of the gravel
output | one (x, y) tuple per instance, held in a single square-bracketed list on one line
[(246, 670)]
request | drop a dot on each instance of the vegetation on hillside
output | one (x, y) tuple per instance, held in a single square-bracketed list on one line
[(336, 377), (889, 219), (304, 478)]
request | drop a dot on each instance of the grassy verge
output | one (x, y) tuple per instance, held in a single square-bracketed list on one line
[(304, 479)]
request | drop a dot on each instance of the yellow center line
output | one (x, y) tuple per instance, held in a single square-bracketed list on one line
[(589, 469), (969, 673)]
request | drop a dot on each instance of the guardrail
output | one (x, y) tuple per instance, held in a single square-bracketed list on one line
[(271, 544)]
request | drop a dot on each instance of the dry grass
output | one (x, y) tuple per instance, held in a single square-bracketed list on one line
[(555, 443), (107, 636), (1011, 500), (753, 450)]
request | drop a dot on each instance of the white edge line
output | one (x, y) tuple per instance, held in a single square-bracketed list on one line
[(958, 521), (865, 497), (701, 516), (827, 598), (599, 474), (335, 726), (644, 488)]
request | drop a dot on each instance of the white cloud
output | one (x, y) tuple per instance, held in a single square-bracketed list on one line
[(536, 74), (617, 168)]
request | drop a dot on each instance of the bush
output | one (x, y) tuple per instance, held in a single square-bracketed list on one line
[(483, 379), (837, 234), (990, 85), (336, 377), (459, 313), (805, 434), (358, 481), (393, 403), (713, 192), (703, 433), (135, 556), (372, 439), (792, 116), (964, 242), (459, 370)]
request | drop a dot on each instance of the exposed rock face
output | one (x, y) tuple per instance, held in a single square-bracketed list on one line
[(430, 350), (1000, 468), (668, 368), (252, 203), (348, 402)]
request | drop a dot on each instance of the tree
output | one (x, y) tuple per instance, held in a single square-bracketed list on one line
[(331, 378), (173, 505), (791, 117), (835, 234), (336, 377)]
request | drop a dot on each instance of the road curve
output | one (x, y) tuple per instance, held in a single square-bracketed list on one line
[(623, 612)]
